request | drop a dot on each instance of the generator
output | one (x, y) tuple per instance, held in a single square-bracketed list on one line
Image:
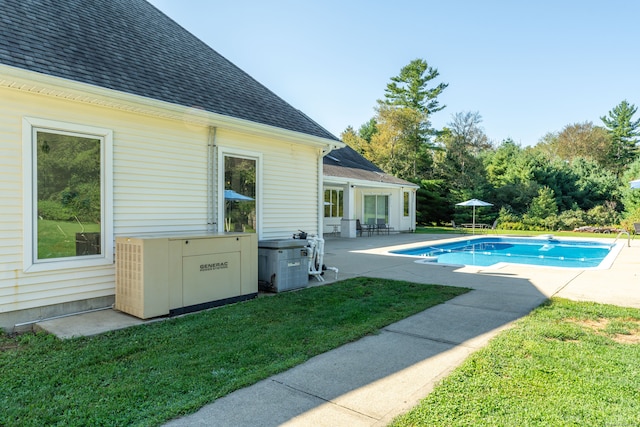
[(169, 274)]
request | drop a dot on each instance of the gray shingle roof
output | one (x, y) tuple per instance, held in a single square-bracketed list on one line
[(130, 46), (349, 164)]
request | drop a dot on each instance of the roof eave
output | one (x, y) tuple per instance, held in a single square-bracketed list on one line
[(337, 180), (43, 84)]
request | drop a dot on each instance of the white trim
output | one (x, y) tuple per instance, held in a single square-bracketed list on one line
[(332, 180), (30, 261), (19, 79), (243, 154), (338, 189)]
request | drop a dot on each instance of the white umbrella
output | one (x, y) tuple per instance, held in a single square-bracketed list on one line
[(635, 183), (474, 203)]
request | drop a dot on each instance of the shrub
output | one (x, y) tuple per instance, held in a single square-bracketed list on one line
[(48, 209), (574, 218), (630, 218), (604, 215)]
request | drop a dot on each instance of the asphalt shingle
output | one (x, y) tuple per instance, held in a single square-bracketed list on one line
[(347, 163), (130, 46)]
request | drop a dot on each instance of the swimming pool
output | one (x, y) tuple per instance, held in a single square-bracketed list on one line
[(542, 251)]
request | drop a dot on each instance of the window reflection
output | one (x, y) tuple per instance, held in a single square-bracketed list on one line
[(240, 201), (69, 210)]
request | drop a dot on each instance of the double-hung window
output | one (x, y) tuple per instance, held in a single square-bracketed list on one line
[(67, 195), (333, 203)]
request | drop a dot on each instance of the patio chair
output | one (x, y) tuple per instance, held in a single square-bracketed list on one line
[(458, 228), (636, 229), (493, 227), (366, 228), (382, 226), (370, 226)]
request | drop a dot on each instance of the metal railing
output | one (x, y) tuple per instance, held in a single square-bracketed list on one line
[(628, 237)]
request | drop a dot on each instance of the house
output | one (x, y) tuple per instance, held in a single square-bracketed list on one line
[(356, 189), (115, 121)]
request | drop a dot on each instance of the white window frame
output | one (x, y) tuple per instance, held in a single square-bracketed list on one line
[(376, 195), (406, 194), (339, 208), (242, 154), (31, 263)]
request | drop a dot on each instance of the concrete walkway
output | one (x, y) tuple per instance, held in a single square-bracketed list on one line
[(370, 381)]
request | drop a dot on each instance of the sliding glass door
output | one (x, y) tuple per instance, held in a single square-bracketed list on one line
[(376, 209)]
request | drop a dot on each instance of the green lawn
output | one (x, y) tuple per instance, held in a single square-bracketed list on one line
[(149, 374), (566, 364), (58, 238)]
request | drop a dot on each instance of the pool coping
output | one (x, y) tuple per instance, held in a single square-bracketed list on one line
[(605, 264)]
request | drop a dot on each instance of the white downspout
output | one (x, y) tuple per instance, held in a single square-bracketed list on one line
[(323, 152), (211, 180)]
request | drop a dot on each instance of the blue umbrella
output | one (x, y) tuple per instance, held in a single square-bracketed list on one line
[(236, 197), (233, 196)]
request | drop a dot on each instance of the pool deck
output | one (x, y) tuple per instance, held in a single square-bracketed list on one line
[(372, 380), (618, 285)]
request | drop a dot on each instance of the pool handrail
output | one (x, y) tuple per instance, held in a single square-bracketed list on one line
[(628, 237)]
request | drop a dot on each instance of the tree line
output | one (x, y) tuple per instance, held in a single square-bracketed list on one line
[(578, 176)]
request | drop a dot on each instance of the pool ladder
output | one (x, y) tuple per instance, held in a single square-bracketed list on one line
[(628, 237)]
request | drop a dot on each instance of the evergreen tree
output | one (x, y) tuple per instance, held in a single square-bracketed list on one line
[(400, 133), (624, 135), (409, 88), (368, 129)]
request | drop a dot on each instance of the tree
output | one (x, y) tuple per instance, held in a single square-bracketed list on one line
[(624, 134), (367, 130), (353, 140), (396, 146), (582, 140), (403, 129), (409, 88), (596, 185), (499, 162), (432, 202), (630, 196), (463, 141), (543, 209)]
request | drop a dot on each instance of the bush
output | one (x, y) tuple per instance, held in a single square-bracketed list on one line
[(630, 218), (48, 209), (512, 225), (604, 215), (572, 219), (549, 223)]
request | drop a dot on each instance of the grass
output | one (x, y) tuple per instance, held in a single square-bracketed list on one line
[(58, 238), (566, 364), (149, 374)]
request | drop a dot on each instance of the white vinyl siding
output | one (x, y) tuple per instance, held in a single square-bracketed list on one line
[(160, 179), (10, 194), (159, 172), (287, 183)]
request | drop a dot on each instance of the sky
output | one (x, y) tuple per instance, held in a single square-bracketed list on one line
[(527, 67)]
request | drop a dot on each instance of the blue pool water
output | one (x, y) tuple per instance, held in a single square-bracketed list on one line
[(486, 251)]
